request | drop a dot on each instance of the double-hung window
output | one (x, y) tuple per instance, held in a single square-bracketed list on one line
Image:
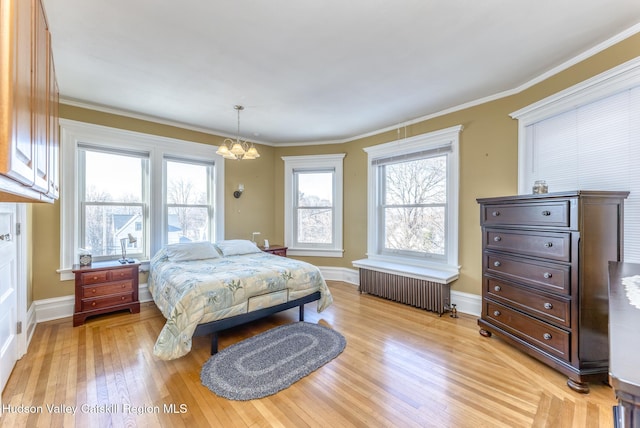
[(413, 201), (120, 184), (113, 200), (313, 205), (189, 194)]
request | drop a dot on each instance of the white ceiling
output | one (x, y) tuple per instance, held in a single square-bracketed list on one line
[(315, 70)]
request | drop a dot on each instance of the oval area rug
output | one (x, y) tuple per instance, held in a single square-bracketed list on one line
[(271, 361)]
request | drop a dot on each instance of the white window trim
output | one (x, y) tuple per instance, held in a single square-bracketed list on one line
[(618, 79), (72, 133), (449, 270), (334, 161)]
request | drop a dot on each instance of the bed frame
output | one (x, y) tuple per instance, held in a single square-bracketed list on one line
[(214, 327)]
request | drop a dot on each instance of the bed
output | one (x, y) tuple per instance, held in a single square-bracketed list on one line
[(202, 288)]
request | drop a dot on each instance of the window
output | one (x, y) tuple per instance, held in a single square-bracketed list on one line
[(313, 205), (189, 209), (113, 197), (413, 201), (117, 182), (588, 138)]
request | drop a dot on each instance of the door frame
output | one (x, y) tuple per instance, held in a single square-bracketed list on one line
[(21, 277)]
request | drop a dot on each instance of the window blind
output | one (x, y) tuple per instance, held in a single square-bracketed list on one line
[(595, 146)]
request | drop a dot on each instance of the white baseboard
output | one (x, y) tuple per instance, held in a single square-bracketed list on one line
[(61, 307)]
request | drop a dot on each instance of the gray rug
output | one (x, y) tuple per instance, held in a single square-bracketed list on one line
[(271, 361)]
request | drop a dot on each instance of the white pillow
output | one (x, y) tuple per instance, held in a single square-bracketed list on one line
[(235, 247), (191, 251)]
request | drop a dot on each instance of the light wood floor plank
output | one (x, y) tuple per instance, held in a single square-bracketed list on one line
[(402, 367)]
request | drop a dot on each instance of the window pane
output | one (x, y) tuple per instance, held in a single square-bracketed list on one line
[(112, 177), (315, 226), (186, 183), (105, 226), (420, 229), (187, 224), (315, 189), (421, 181)]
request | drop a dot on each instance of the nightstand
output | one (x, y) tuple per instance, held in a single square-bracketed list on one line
[(104, 287), (278, 250)]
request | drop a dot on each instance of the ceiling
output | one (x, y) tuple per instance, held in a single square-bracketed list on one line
[(314, 71)]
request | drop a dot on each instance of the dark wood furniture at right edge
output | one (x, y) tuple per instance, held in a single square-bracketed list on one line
[(545, 277), (624, 346)]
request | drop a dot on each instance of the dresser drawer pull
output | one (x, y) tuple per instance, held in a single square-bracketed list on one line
[(93, 290), (496, 313), (495, 213), (122, 298), (546, 213), (497, 264), (546, 336), (548, 305), (547, 275), (93, 303), (497, 288), (95, 277), (548, 244), (497, 239)]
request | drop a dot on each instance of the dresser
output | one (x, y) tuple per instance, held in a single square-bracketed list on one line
[(545, 277), (104, 287)]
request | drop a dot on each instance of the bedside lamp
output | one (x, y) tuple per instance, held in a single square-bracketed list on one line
[(130, 239)]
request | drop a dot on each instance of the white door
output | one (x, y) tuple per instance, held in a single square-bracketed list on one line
[(8, 292)]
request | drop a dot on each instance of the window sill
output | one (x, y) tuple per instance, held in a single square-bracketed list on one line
[(443, 275), (315, 252)]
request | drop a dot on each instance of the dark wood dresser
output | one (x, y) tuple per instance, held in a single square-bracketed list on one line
[(624, 345), (545, 277), (104, 287)]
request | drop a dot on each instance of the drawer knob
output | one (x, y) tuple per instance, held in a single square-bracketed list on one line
[(93, 290), (495, 213), (496, 313), (548, 244), (547, 275), (546, 213), (93, 303), (497, 288), (122, 298), (497, 238), (95, 277), (497, 263), (548, 305), (123, 285), (546, 336)]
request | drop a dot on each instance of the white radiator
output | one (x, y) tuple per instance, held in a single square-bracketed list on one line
[(420, 293)]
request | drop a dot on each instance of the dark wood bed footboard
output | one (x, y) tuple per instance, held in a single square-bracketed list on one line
[(214, 327)]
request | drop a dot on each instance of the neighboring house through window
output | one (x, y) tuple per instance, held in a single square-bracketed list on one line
[(313, 205)]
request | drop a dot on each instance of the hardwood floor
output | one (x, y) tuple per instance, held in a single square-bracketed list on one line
[(402, 367)]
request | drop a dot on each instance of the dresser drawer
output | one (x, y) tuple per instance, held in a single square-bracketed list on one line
[(107, 288), (555, 246), (106, 302), (544, 336), (549, 308), (122, 273), (548, 214), (96, 277), (545, 276)]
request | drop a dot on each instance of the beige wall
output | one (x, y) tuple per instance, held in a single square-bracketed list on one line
[(488, 156)]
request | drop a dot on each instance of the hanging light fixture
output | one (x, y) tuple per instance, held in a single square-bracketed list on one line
[(238, 149)]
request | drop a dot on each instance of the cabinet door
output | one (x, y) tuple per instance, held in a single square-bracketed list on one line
[(53, 133), (41, 100), (17, 152)]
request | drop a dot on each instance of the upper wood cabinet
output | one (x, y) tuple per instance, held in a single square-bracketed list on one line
[(29, 141)]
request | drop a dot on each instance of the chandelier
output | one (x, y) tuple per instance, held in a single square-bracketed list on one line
[(238, 149)]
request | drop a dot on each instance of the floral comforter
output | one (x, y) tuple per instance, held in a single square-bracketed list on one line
[(198, 291)]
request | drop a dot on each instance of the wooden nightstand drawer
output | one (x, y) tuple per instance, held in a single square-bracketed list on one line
[(97, 277), (106, 302), (106, 289)]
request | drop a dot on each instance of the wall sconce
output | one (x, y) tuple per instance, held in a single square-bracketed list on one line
[(238, 192)]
